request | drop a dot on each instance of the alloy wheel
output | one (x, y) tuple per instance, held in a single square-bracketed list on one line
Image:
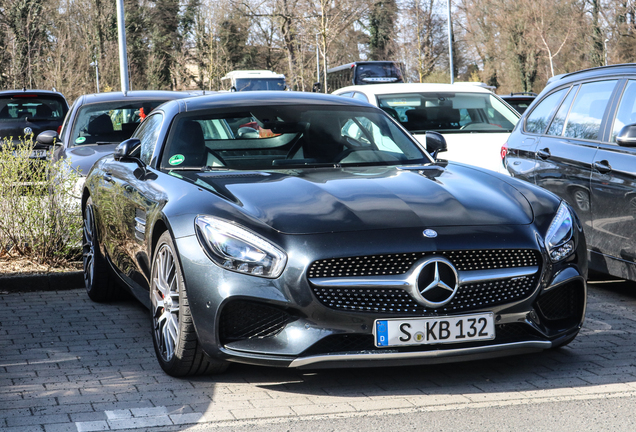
[(165, 302), (88, 247)]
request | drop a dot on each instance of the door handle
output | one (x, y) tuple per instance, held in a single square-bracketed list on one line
[(602, 166), (544, 153)]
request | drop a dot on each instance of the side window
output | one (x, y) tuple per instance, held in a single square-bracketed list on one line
[(626, 114), (584, 120), (148, 133), (556, 128), (360, 96), (538, 119)]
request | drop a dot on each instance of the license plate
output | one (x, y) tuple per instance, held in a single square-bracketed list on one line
[(38, 154), (438, 330), (35, 154)]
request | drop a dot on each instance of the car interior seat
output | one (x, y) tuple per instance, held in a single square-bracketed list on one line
[(43, 111), (189, 142), (324, 139), (390, 111), (418, 120), (4, 113), (100, 125), (448, 118)]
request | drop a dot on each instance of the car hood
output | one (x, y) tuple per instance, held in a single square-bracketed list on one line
[(323, 200), (83, 157)]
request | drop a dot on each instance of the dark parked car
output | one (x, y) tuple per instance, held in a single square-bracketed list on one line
[(519, 101), (96, 123), (578, 142), (326, 237), (26, 113)]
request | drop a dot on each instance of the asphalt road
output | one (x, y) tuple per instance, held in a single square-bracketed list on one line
[(67, 364)]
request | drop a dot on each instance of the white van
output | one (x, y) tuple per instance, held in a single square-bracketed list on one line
[(253, 80)]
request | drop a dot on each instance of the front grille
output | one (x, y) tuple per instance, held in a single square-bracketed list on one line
[(562, 303), (246, 320), (392, 264), (397, 301), (334, 344)]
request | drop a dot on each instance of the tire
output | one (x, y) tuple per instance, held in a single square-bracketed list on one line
[(100, 283), (174, 338)]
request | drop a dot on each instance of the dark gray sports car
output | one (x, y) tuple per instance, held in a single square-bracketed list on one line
[(307, 231)]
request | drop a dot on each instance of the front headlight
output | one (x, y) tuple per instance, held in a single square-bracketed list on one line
[(559, 241), (237, 249)]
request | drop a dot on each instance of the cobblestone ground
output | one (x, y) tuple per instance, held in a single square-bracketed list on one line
[(68, 364)]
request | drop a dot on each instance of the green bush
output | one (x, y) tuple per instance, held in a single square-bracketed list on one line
[(40, 215)]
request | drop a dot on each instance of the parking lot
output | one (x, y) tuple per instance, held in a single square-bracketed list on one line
[(68, 364)]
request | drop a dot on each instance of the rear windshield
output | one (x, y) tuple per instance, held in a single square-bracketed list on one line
[(255, 84), (449, 112), (285, 137), (378, 72), (110, 122), (33, 107)]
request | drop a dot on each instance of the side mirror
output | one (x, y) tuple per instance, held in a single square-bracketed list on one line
[(626, 137), (48, 138), (435, 143), (125, 149), (233, 89)]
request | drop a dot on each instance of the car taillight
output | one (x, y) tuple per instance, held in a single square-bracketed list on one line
[(59, 130), (504, 151)]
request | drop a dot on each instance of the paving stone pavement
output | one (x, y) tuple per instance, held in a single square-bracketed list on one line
[(68, 364)]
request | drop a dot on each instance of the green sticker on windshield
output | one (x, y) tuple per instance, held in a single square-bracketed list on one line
[(80, 140), (176, 159)]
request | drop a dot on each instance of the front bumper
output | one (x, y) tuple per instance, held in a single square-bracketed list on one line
[(289, 322)]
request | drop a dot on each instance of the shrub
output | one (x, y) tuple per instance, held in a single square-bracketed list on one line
[(40, 214)]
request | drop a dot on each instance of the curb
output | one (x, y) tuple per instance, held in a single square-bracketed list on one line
[(42, 282)]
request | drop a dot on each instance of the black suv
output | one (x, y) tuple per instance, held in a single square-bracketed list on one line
[(578, 140), (519, 101), (26, 113)]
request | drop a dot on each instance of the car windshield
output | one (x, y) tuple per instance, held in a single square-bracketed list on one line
[(253, 84), (449, 112), (33, 107), (109, 122), (282, 137)]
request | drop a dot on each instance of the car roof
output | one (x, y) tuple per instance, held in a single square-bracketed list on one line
[(601, 71), (518, 96), (134, 96), (239, 99), (375, 89), (5, 93)]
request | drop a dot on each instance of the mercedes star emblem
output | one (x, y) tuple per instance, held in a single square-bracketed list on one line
[(28, 131), (437, 282), (429, 233)]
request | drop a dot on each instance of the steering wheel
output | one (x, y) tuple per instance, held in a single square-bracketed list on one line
[(354, 144), (468, 124)]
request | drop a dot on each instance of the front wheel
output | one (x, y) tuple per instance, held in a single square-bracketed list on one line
[(99, 281), (175, 340)]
